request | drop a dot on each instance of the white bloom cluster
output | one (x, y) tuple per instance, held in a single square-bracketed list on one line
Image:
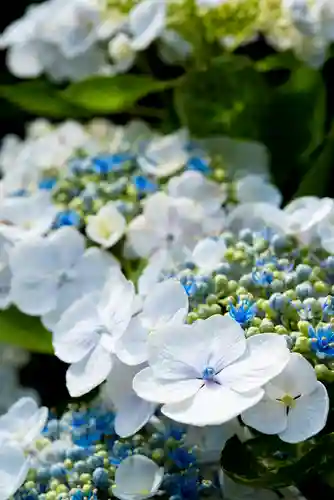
[(76, 39)]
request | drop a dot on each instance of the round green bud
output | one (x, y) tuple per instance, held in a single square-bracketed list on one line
[(68, 464), (221, 283), (51, 495), (86, 489), (211, 299), (99, 447), (252, 330), (158, 455), (302, 344), (322, 372), (266, 326), (321, 287), (303, 327), (203, 311), (106, 463), (291, 294), (102, 453), (85, 478), (62, 489), (215, 309), (256, 321), (232, 286), (191, 317), (219, 174), (30, 485), (281, 330), (42, 443), (54, 483)]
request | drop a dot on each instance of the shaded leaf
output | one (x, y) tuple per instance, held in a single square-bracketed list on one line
[(113, 94), (39, 98), (24, 331), (227, 98), (268, 462), (317, 179), (294, 124)]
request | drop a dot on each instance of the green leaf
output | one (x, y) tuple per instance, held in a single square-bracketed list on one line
[(113, 94), (294, 124), (227, 98), (39, 98), (317, 180), (25, 331), (268, 462)]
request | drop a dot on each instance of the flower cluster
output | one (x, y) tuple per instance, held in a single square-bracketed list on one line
[(213, 316), (98, 37)]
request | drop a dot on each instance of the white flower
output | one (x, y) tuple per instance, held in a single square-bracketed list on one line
[(257, 216), (306, 214), (147, 20), (5, 272), (23, 422), (132, 412), (325, 231), (254, 188), (121, 52), (25, 216), (137, 477), (173, 224), (59, 272), (166, 302), (207, 373), (163, 156), (87, 332), (154, 271), (195, 186), (209, 253), (295, 405), (210, 440), (240, 157), (107, 226), (14, 467)]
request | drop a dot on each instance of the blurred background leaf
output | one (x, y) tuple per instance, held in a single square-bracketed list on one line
[(113, 94), (24, 331), (226, 99)]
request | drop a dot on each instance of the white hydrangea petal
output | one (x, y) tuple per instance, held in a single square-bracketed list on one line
[(142, 236), (138, 477), (151, 274), (24, 408), (211, 405), (298, 377), (209, 253), (33, 296), (167, 301), (164, 156), (253, 188), (216, 342), (132, 415), (69, 245), (210, 440), (308, 416), (14, 468), (164, 391), (89, 372), (34, 426), (116, 303), (265, 357), (40, 254), (268, 416), (132, 347), (147, 21), (23, 61)]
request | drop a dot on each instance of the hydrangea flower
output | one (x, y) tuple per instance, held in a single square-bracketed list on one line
[(166, 302), (218, 378), (87, 332), (322, 341), (60, 271), (132, 412), (295, 405), (137, 478), (107, 226)]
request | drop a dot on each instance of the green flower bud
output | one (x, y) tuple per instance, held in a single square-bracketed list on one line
[(252, 330), (303, 327), (85, 478), (266, 326), (68, 464), (211, 299), (302, 344), (191, 317), (281, 330)]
